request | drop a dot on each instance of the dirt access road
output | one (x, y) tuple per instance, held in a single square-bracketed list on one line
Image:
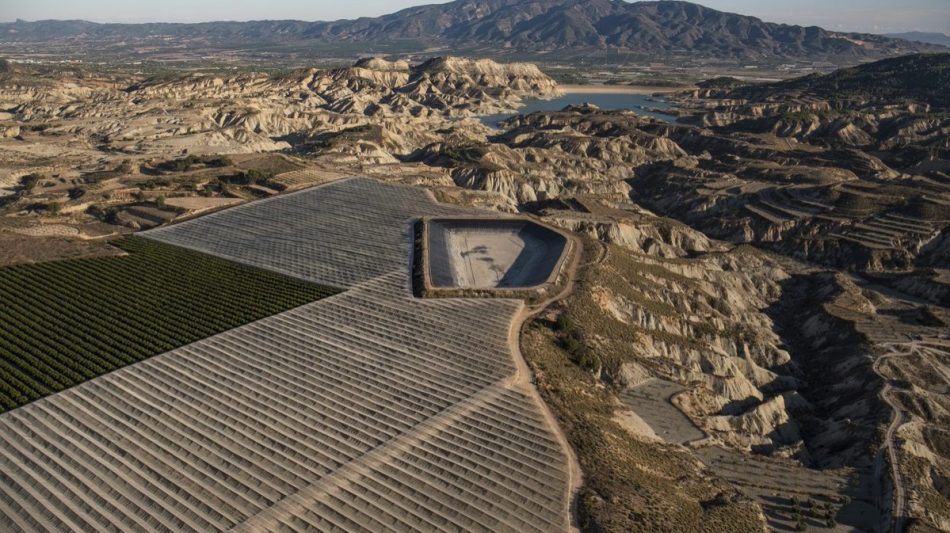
[(525, 379), (890, 445), (898, 418)]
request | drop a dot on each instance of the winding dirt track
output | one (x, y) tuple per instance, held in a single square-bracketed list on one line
[(524, 378), (901, 349), (897, 419)]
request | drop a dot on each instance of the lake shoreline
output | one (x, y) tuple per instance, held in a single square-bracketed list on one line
[(619, 89), (641, 104)]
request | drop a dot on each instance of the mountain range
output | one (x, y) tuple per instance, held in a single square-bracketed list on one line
[(941, 39), (532, 26), (922, 79)]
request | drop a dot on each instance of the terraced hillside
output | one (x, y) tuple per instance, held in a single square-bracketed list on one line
[(64, 322), (370, 410)]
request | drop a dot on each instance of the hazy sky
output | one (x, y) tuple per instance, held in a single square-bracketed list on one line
[(878, 16)]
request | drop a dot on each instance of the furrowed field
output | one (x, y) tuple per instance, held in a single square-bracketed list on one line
[(62, 323)]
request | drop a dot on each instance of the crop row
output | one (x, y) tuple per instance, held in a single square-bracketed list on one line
[(68, 321), (370, 411), (341, 234)]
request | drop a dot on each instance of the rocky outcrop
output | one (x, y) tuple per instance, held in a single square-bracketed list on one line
[(699, 322), (542, 156), (659, 240), (254, 112), (450, 74)]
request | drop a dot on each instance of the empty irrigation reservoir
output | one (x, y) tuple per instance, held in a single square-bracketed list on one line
[(482, 253)]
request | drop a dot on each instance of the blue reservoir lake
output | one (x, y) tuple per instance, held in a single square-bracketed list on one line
[(638, 103)]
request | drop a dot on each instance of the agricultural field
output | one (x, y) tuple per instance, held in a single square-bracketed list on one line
[(651, 401), (792, 496), (65, 322), (341, 234), (300, 179), (371, 410)]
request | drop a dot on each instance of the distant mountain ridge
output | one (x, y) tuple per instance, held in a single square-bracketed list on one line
[(572, 26), (921, 78), (941, 39)]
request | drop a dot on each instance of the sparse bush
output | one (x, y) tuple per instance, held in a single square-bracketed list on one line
[(108, 215), (155, 183), (585, 360), (238, 178), (564, 324), (904, 261), (188, 163), (28, 182), (579, 352), (125, 167), (252, 177), (44, 207), (122, 169), (572, 345)]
